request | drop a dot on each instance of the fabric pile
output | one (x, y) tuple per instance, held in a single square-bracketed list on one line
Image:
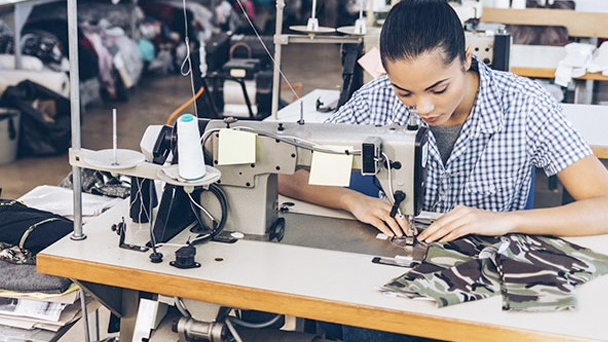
[(574, 64), (101, 183), (531, 273), (31, 300), (23, 233)]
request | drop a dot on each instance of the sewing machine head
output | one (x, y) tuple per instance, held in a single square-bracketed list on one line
[(395, 154)]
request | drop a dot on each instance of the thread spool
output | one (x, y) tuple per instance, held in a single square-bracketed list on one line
[(191, 163)]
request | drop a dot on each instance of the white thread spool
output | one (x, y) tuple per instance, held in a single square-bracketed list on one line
[(191, 163)]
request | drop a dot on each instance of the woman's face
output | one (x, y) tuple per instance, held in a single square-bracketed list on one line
[(436, 89)]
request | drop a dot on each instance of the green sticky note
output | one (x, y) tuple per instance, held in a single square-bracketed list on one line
[(236, 147), (331, 169)]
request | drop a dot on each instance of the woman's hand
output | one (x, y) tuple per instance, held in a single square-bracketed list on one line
[(463, 220), (376, 212)]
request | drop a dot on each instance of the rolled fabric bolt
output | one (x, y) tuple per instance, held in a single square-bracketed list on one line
[(191, 163)]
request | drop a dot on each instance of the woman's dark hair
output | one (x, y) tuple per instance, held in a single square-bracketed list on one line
[(414, 27)]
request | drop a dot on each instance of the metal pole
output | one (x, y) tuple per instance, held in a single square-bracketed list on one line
[(276, 76), (75, 110), (18, 20), (85, 314), (22, 11), (97, 325), (134, 33)]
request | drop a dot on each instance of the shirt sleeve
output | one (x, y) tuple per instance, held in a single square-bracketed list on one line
[(555, 144), (354, 111)]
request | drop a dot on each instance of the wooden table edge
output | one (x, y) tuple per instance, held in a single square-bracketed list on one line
[(285, 303), (550, 73)]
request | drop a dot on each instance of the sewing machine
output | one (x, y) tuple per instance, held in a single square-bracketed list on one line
[(251, 189)]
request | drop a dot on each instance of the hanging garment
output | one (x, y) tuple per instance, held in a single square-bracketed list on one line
[(532, 273), (127, 59), (106, 66)]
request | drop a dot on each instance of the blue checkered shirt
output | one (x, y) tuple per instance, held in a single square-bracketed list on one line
[(514, 124)]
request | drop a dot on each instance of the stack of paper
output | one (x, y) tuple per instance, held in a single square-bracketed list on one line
[(37, 313), (10, 334)]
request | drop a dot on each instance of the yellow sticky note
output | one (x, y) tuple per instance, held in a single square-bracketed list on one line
[(331, 169), (236, 147)]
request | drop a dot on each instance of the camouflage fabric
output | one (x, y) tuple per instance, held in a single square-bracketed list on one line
[(532, 273), (16, 254)]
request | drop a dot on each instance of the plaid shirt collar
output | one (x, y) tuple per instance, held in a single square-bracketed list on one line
[(487, 94), (493, 120)]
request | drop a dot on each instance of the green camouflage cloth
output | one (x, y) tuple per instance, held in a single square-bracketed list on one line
[(16, 255), (532, 273)]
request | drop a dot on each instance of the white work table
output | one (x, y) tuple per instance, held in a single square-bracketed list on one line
[(291, 112), (314, 283), (308, 282)]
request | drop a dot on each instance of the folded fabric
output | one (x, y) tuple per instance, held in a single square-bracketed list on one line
[(532, 273), (60, 201), (16, 255), (62, 297), (58, 82), (574, 64), (30, 228), (600, 60), (30, 63), (100, 183), (24, 278)]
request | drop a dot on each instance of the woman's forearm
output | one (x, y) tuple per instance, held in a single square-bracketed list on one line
[(584, 217)]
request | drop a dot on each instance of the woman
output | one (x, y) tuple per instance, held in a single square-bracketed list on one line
[(487, 130)]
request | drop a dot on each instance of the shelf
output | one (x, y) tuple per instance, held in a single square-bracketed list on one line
[(550, 73), (579, 24)]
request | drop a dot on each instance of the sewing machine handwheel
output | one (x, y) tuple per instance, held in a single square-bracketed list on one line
[(277, 231)]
